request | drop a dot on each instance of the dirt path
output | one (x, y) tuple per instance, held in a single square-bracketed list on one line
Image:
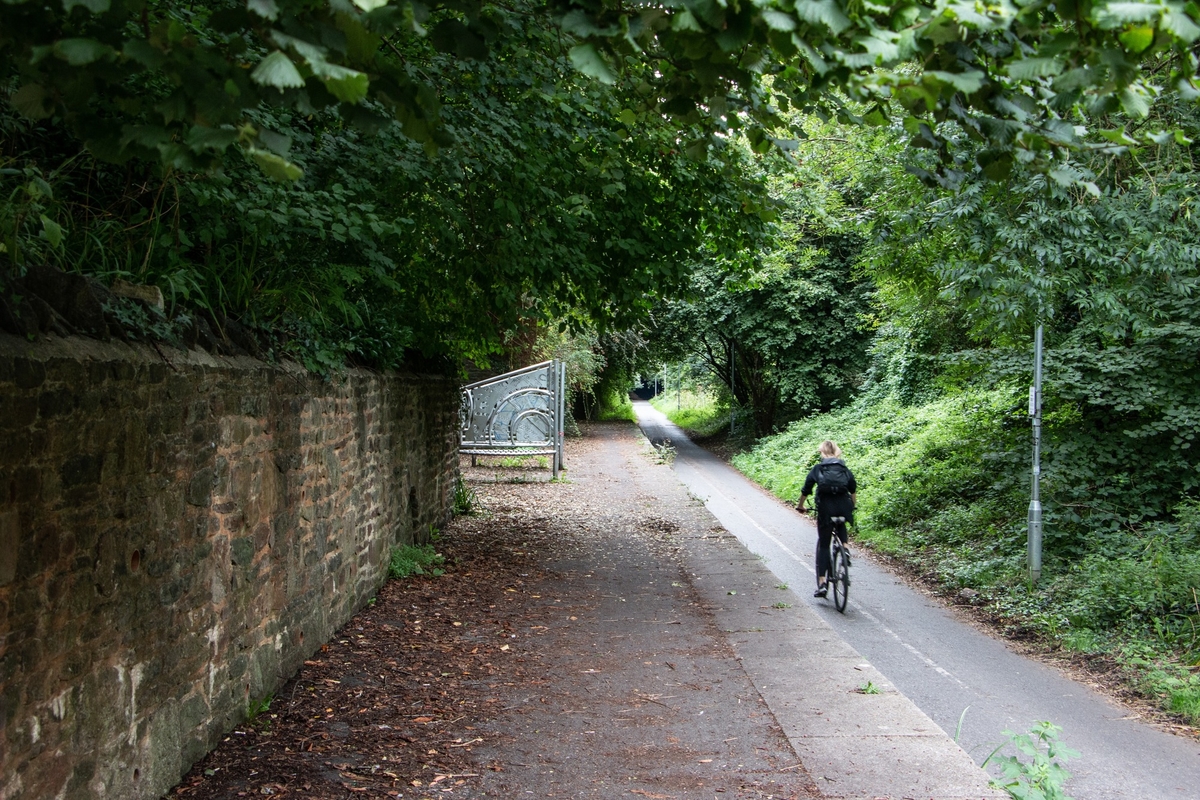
[(564, 654)]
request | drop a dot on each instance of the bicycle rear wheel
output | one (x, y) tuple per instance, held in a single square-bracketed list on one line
[(841, 578)]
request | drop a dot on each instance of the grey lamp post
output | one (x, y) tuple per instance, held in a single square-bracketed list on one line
[(1034, 547)]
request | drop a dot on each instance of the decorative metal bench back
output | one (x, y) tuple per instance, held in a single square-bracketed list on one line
[(519, 413)]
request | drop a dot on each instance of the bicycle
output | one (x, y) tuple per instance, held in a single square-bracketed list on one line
[(839, 565)]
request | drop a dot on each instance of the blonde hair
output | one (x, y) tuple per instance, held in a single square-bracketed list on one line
[(829, 449)]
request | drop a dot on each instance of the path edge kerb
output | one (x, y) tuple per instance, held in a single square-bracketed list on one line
[(854, 745)]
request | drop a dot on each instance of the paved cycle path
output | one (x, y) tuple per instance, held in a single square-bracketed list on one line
[(961, 679)]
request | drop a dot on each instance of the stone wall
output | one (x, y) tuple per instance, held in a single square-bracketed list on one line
[(176, 537)]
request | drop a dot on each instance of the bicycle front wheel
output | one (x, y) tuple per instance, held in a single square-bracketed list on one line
[(840, 579)]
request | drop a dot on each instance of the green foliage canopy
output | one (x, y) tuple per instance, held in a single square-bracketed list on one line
[(559, 200), (1022, 77), (789, 336)]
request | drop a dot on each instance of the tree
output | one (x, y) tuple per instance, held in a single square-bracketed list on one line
[(1021, 78), (1112, 273), (558, 200), (789, 336)]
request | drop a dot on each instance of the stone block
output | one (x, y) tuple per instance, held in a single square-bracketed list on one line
[(171, 591), (20, 411), (122, 371), (200, 487), (160, 749), (81, 470), (10, 544), (28, 374), (81, 777), (97, 373), (56, 403), (242, 551)]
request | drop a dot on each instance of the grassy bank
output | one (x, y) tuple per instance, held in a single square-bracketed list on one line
[(944, 487), (698, 413)]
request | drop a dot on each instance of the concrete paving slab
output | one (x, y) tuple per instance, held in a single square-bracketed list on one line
[(907, 767), (855, 745), (810, 647)]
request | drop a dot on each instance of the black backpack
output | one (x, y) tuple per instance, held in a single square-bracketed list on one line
[(833, 479)]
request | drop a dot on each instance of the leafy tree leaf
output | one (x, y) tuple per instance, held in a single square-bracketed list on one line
[(1114, 15), (965, 82), (779, 21), (144, 53), (52, 231), (1138, 38), (452, 36), (588, 60), (201, 137), (361, 43), (30, 101), (267, 9), (1029, 68), (824, 12), (79, 52), (347, 85), (276, 167), (1180, 24), (94, 6), (1135, 102), (148, 136), (277, 70), (580, 24), (276, 142)]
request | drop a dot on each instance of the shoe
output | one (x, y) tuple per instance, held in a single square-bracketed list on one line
[(821, 592)]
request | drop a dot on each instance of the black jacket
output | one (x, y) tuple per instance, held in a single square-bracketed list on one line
[(830, 505)]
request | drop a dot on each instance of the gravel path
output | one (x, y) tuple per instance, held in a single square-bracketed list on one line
[(566, 653)]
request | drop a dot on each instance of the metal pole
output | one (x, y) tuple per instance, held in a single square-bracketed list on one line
[(555, 382), (732, 389), (679, 390), (562, 415), (1034, 549)]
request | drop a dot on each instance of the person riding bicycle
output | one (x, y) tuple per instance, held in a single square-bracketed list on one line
[(836, 494)]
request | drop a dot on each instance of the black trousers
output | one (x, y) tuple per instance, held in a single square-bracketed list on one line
[(825, 531)]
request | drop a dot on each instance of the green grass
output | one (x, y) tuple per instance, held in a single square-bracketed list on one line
[(615, 405), (909, 461), (523, 462), (1179, 687), (415, 559), (466, 502), (698, 413), (944, 487)]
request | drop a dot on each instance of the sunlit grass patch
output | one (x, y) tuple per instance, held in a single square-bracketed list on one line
[(697, 412)]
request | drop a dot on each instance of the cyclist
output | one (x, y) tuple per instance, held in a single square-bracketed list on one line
[(836, 491)]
